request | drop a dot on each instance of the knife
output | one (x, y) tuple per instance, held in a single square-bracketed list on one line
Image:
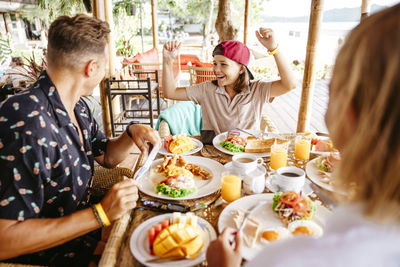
[(248, 213), (147, 164), (246, 132), (163, 206), (323, 196)]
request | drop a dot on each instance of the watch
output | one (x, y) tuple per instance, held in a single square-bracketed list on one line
[(127, 128)]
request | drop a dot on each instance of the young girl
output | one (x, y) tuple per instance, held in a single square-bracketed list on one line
[(234, 100), (363, 118)]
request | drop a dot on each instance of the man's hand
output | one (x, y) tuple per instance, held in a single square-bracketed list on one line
[(120, 199), (266, 37), (170, 51), (221, 253), (142, 133)]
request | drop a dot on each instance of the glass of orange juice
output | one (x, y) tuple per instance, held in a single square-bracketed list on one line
[(231, 186), (302, 146), (279, 154)]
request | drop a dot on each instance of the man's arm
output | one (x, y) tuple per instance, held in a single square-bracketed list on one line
[(119, 148), (168, 84), (31, 235)]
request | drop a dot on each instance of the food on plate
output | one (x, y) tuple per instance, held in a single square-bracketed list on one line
[(319, 145), (308, 228), (178, 144), (326, 163), (291, 206), (176, 186), (250, 230), (234, 143), (179, 175), (154, 231), (183, 238), (275, 234), (264, 145)]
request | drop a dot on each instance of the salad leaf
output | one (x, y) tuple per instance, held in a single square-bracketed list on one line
[(172, 192), (232, 147), (275, 200)]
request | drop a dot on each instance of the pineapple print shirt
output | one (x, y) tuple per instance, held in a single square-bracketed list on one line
[(45, 169)]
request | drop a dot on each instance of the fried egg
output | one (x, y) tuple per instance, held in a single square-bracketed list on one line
[(305, 228), (274, 234)]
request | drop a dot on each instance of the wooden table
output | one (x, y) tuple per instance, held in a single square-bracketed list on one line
[(117, 252)]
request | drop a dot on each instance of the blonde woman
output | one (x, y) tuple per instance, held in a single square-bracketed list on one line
[(363, 118)]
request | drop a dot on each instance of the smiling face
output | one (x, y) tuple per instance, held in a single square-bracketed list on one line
[(226, 70)]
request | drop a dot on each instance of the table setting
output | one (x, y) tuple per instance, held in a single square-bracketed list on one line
[(230, 182)]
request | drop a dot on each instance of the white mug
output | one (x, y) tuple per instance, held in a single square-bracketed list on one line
[(254, 181), (245, 163), (290, 179)]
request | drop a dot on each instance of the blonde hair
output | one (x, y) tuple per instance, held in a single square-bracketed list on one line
[(367, 77), (73, 39)]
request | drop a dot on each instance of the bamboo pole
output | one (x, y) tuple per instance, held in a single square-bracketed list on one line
[(154, 22), (309, 67), (102, 10), (246, 20), (365, 8)]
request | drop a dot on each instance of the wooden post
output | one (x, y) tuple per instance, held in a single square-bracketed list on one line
[(154, 22), (309, 67), (365, 8), (246, 20), (102, 9)]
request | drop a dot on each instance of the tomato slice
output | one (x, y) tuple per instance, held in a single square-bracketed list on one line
[(289, 198)]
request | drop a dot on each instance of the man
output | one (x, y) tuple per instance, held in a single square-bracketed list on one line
[(49, 141)]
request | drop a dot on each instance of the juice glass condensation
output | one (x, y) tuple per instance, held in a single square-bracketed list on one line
[(231, 187), (302, 148), (279, 154)]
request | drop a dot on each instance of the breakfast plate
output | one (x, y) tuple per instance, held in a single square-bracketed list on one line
[(323, 138), (271, 185), (139, 243), (316, 177), (149, 181), (223, 136), (198, 145), (264, 215)]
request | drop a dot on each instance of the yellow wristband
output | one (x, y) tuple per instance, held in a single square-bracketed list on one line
[(274, 51), (102, 214)]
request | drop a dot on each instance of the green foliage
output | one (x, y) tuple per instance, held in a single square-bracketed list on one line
[(33, 67), (5, 49), (56, 8)]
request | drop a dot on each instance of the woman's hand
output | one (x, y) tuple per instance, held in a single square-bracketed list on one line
[(170, 51), (120, 199), (266, 37), (221, 253), (142, 133)]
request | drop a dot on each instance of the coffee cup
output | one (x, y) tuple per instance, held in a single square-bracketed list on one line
[(254, 181), (244, 163), (290, 179)]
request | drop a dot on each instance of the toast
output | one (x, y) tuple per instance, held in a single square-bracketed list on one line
[(257, 146)]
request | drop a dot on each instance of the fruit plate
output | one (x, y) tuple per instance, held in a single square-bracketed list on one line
[(198, 145), (266, 217), (139, 243), (149, 182)]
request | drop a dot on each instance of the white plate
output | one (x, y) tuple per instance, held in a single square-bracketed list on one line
[(198, 145), (139, 243), (149, 181), (312, 151), (264, 215), (313, 173), (222, 137), (273, 187)]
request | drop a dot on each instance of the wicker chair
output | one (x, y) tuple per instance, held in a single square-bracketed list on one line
[(103, 180)]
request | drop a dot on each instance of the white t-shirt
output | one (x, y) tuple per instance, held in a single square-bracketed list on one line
[(349, 240)]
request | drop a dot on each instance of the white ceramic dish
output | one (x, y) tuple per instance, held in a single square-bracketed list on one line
[(149, 181), (222, 137), (264, 215), (198, 145), (139, 243), (316, 177)]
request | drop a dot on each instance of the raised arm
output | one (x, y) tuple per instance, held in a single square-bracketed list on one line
[(170, 90), (288, 80)]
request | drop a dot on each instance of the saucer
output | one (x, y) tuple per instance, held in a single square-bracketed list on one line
[(228, 166), (273, 187)]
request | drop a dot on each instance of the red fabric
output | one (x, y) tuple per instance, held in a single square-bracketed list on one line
[(202, 72), (185, 58), (236, 51)]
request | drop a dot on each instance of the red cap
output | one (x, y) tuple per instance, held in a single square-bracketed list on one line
[(236, 51)]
